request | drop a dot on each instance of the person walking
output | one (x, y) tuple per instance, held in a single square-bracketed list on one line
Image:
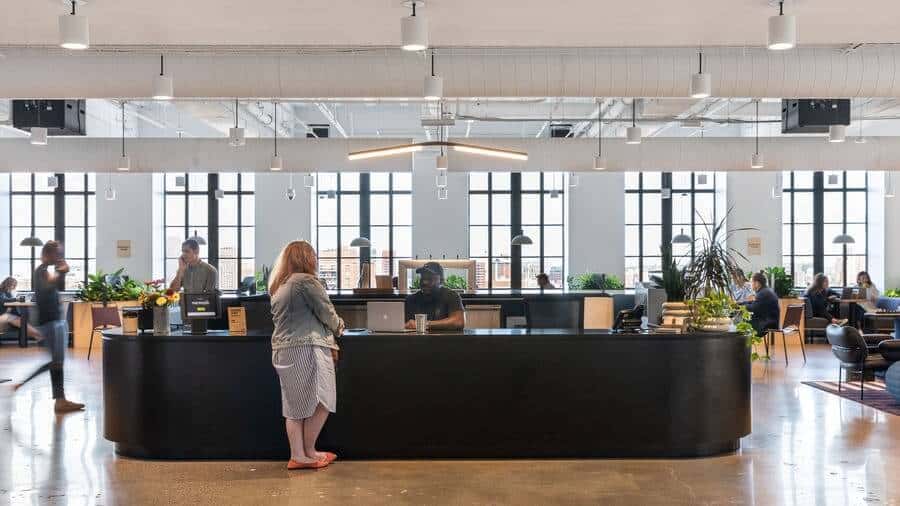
[(304, 352), (49, 280)]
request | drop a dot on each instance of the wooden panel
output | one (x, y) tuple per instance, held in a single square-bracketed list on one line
[(82, 323), (482, 316), (598, 313)]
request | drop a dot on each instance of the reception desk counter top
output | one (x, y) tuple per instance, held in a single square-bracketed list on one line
[(500, 393)]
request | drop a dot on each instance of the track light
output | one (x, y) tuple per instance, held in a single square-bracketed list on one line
[(756, 161), (701, 84), (74, 32), (163, 89), (633, 133), (837, 133), (38, 136), (782, 30), (599, 161), (414, 30), (434, 85), (236, 134)]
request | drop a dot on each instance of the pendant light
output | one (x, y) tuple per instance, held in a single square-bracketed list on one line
[(889, 191), (276, 164), (74, 32), (837, 133), (860, 139), (633, 134), (682, 238), (701, 84), (31, 242), (782, 30), (441, 163), (110, 192), (124, 162), (434, 85), (844, 239), (163, 89), (309, 181), (778, 189), (38, 134), (290, 193), (361, 242), (521, 240), (414, 30), (574, 179), (756, 161), (442, 193), (599, 161), (236, 134), (196, 237)]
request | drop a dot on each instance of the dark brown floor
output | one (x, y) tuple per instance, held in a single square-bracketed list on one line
[(807, 447)]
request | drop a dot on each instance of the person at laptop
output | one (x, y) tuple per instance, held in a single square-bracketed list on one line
[(194, 275), (442, 305)]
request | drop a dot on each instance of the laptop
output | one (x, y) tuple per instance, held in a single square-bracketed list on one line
[(386, 317)]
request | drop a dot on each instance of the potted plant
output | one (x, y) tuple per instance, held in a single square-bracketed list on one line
[(717, 311), (116, 288), (671, 279), (714, 264), (453, 282), (155, 299), (781, 282), (594, 281)]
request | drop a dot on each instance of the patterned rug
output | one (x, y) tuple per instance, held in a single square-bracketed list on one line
[(876, 394)]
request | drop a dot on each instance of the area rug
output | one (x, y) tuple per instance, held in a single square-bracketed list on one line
[(876, 394)]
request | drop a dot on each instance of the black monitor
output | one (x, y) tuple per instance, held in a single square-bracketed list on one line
[(199, 307)]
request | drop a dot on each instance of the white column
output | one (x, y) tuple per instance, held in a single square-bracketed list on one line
[(128, 218), (892, 238), (597, 224), (440, 227), (750, 198), (279, 220)]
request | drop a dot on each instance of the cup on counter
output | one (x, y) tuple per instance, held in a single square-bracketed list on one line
[(421, 323)]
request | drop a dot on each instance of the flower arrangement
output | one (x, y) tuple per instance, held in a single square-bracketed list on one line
[(156, 295)]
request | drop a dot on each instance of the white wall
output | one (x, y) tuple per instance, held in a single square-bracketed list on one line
[(279, 220), (129, 217), (597, 224), (440, 227), (4, 226), (750, 196), (892, 238)]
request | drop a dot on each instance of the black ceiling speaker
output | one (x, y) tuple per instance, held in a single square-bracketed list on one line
[(318, 131), (813, 115), (560, 130), (59, 117)]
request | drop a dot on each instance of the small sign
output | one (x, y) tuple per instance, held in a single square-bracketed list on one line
[(237, 321), (754, 246), (123, 249)]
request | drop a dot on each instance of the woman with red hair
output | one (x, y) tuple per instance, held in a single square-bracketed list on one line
[(304, 351)]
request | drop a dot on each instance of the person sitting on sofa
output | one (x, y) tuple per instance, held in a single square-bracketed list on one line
[(820, 298)]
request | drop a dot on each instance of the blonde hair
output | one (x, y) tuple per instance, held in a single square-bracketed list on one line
[(296, 257)]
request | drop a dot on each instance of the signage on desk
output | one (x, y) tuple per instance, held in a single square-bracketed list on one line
[(237, 321)]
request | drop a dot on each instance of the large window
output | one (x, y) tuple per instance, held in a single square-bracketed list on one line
[(817, 207), (225, 221), (503, 205), (377, 206), (53, 206), (660, 206)]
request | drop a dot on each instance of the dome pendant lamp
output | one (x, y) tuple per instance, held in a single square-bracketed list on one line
[(701, 84), (74, 32), (276, 164), (756, 161), (163, 88), (414, 30), (782, 30), (633, 134), (599, 161)]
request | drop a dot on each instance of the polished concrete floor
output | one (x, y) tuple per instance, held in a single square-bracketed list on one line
[(807, 448)]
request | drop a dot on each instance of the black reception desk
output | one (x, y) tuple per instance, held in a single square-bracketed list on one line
[(501, 393)]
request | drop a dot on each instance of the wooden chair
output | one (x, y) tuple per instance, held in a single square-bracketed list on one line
[(102, 318), (791, 325)]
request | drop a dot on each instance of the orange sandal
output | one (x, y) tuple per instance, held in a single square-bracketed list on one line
[(330, 457), (319, 464)]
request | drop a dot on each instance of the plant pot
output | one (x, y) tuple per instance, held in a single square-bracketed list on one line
[(161, 320), (722, 324)]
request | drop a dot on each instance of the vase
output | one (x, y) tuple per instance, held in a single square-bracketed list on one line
[(161, 321), (722, 324)]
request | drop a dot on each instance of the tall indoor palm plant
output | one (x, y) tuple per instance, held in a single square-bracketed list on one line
[(714, 264)]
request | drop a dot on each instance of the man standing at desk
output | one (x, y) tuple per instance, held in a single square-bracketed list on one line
[(194, 275), (442, 305)]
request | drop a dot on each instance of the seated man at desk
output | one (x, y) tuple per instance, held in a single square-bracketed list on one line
[(194, 275), (442, 305)]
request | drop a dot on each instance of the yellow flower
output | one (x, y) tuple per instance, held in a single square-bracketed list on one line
[(162, 301), (176, 297)]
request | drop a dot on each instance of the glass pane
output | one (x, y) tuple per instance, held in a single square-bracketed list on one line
[(704, 180), (632, 272), (855, 264), (228, 212), (327, 242), (402, 209), (248, 242), (91, 184), (403, 242), (228, 274), (803, 207), (858, 233), (478, 181), (328, 272), (803, 239), (531, 209), (831, 231), (379, 181), (531, 267), (502, 269), (802, 180), (228, 181), (349, 273), (632, 180), (327, 211), (533, 249), (174, 238), (705, 208), (681, 209), (632, 208), (652, 180), (501, 238), (856, 207), (381, 241), (16, 236), (75, 246), (501, 212), (834, 269), (43, 211), (553, 210), (652, 265), (228, 242), (75, 182), (553, 268), (171, 178), (478, 209), (349, 181), (76, 274), (248, 210), (834, 207), (632, 240), (478, 241), (855, 178), (402, 181), (553, 241), (20, 182), (248, 267), (652, 239), (175, 209), (92, 243), (380, 209), (347, 236), (326, 181), (681, 181), (349, 210), (21, 210), (198, 182), (834, 180), (481, 273), (500, 181), (532, 180), (41, 180), (198, 210), (786, 208), (92, 210), (652, 209)]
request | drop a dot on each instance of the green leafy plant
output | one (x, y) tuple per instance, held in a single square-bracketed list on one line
[(893, 292), (594, 281), (102, 287), (716, 305), (262, 279), (453, 282), (672, 278), (714, 264), (782, 282)]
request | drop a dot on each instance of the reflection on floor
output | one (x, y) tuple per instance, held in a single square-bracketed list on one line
[(807, 447)]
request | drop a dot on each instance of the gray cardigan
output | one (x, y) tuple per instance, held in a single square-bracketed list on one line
[(303, 314)]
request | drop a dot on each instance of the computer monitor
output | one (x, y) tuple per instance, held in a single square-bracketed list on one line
[(199, 307)]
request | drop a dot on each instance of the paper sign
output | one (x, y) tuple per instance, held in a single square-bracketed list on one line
[(123, 249), (237, 321), (754, 246)]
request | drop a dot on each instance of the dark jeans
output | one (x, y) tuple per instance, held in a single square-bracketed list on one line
[(55, 334)]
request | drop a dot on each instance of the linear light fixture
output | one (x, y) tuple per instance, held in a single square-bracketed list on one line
[(419, 146)]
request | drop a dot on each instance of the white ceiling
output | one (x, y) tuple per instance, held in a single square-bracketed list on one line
[(460, 23)]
